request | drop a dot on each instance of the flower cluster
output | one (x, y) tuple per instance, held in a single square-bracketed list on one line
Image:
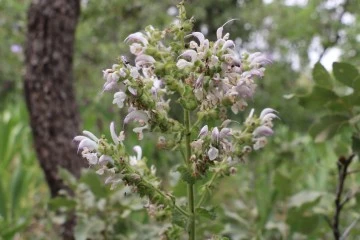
[(202, 80), (220, 75), (230, 144)]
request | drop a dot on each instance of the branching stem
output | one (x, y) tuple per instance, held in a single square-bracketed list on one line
[(190, 187)]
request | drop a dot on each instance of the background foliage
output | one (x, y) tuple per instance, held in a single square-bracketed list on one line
[(283, 192)]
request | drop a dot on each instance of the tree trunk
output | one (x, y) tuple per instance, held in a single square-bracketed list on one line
[(49, 88)]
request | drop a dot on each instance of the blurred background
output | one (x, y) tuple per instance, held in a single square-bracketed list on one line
[(285, 191)]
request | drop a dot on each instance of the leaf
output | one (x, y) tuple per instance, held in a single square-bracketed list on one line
[(304, 199), (327, 127), (186, 175), (321, 76), (61, 202), (317, 98), (3, 203), (16, 189), (85, 229), (203, 212), (347, 74), (91, 179)]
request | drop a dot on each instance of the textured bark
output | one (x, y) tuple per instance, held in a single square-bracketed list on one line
[(49, 88)]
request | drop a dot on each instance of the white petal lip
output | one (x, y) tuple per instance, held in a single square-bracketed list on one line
[(113, 133), (263, 131)]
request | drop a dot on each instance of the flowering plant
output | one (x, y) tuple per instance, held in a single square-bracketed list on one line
[(175, 68)]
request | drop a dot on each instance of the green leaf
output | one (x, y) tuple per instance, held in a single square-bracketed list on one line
[(317, 98), (16, 189), (321, 76), (328, 126), (95, 184), (186, 175), (304, 199), (203, 212), (347, 74), (86, 228), (61, 202)]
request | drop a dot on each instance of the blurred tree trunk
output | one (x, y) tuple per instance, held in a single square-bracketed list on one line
[(49, 91)]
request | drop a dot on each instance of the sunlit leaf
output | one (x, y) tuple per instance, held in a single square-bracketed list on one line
[(347, 74)]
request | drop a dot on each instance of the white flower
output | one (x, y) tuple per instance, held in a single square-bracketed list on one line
[(119, 98), (116, 139), (91, 157), (89, 141), (133, 160), (139, 131)]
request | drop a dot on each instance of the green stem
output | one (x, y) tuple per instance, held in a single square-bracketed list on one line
[(190, 188), (208, 186)]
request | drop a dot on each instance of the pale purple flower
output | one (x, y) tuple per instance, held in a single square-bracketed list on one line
[(263, 131), (213, 153), (215, 135), (258, 59), (204, 131), (182, 63), (136, 115), (137, 37), (144, 59), (266, 111), (104, 159)]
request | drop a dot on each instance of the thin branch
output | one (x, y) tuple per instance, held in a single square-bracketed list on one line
[(348, 229), (342, 164), (337, 36)]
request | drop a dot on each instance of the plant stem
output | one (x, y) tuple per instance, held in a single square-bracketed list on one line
[(190, 187), (208, 187)]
